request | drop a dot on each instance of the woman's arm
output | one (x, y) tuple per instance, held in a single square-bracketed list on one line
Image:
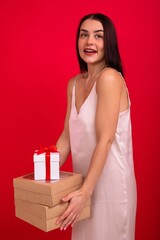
[(109, 90), (63, 143)]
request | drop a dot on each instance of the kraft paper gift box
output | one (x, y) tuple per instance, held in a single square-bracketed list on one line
[(39, 202), (46, 163), (44, 217), (45, 192)]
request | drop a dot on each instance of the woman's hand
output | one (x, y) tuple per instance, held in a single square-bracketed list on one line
[(76, 200)]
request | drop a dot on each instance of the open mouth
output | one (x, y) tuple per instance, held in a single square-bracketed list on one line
[(89, 50)]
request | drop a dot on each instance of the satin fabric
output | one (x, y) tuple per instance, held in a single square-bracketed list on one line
[(113, 205)]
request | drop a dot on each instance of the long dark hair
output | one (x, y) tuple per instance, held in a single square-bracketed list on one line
[(111, 51)]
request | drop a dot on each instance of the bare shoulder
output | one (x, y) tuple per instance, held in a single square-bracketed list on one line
[(109, 78), (71, 83)]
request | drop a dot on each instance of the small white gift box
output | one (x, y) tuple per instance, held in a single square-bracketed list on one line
[(46, 166)]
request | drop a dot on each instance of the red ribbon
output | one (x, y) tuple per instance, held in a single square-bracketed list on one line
[(47, 151)]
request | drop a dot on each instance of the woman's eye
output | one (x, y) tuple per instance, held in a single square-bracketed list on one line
[(98, 36), (83, 35)]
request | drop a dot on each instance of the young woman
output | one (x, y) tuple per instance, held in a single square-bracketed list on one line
[(97, 131)]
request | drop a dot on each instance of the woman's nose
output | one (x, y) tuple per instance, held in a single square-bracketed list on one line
[(90, 40)]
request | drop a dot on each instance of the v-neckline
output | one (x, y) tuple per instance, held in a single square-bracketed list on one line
[(84, 103)]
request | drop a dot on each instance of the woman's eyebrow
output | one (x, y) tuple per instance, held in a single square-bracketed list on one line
[(99, 30), (84, 30)]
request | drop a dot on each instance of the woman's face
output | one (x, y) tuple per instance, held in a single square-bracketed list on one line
[(91, 41)]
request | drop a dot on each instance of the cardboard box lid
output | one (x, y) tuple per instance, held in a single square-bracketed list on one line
[(48, 187), (43, 199), (44, 212)]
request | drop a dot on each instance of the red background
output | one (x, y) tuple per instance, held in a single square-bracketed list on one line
[(37, 49)]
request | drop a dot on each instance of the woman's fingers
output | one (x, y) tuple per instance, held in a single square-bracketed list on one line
[(75, 220), (68, 221), (63, 216), (70, 216), (69, 196)]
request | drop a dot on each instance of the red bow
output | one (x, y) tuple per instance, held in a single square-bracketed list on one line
[(47, 151)]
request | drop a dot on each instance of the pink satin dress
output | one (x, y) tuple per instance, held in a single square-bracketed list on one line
[(113, 205)]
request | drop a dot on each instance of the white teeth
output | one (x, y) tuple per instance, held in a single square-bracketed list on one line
[(89, 50)]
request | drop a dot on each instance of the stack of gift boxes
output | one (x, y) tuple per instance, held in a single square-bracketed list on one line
[(38, 196)]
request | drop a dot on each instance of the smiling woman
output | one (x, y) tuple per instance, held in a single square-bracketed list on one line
[(90, 43), (97, 131)]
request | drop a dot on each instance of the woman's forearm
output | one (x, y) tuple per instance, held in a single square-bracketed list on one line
[(96, 167), (63, 145)]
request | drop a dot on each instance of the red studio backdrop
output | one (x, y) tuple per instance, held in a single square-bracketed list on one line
[(38, 57)]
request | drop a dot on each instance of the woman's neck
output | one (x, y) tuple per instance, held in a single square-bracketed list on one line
[(92, 74), (94, 70)]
